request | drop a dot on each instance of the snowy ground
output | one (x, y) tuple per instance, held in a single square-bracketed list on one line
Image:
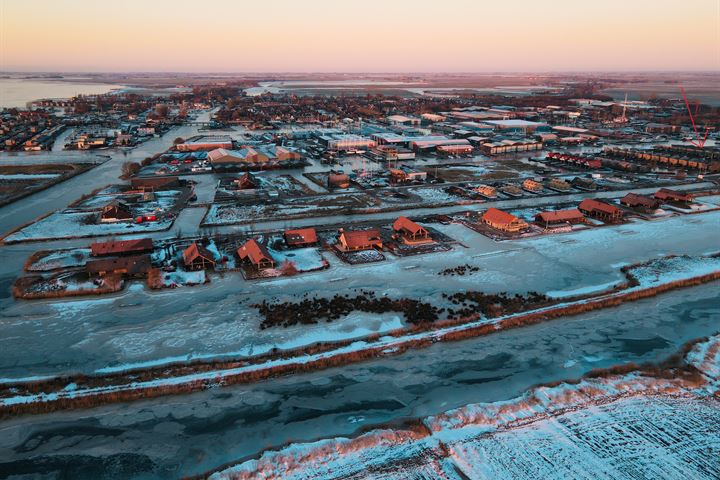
[(173, 437), (629, 426), (80, 224), (218, 319)]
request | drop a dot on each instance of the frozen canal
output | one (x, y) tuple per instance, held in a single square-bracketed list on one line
[(190, 434), (139, 326)]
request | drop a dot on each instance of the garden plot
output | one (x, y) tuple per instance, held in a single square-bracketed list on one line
[(17, 181), (65, 284), (458, 173), (45, 261), (179, 278), (268, 185), (310, 206), (303, 259), (60, 225)]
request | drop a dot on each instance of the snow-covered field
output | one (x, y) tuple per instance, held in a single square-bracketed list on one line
[(80, 224), (629, 426)]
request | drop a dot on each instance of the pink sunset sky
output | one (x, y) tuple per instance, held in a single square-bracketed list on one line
[(355, 36)]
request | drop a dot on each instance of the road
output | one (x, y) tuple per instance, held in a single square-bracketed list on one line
[(60, 195)]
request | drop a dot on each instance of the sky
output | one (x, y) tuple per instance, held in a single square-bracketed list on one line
[(359, 35)]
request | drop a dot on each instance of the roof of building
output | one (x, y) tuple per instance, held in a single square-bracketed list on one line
[(302, 235), (590, 204), (154, 182), (515, 123), (121, 246), (404, 223), (560, 215), (360, 238), (134, 265), (665, 193), (194, 251), (633, 199), (496, 216), (254, 251)]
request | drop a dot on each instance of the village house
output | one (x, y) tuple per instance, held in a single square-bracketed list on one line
[(256, 255), (338, 180), (532, 186), (410, 232), (486, 191), (558, 185), (584, 183), (600, 210), (503, 221), (405, 174), (122, 247), (197, 257), (640, 202), (246, 182), (135, 266), (304, 237), (559, 217), (349, 241), (667, 195), (115, 211)]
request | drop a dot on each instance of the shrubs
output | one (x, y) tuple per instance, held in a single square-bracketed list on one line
[(313, 311)]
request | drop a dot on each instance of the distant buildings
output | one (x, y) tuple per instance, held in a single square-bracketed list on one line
[(510, 146), (347, 142), (208, 142), (263, 154)]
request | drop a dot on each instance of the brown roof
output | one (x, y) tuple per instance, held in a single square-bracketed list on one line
[(560, 216), (194, 251), (635, 200), (404, 223), (121, 246), (667, 194), (116, 209), (590, 204), (254, 251), (154, 182), (496, 216), (134, 265), (361, 238), (300, 236)]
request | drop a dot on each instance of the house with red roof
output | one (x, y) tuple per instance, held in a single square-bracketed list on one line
[(197, 257), (121, 247), (302, 237), (559, 217), (503, 221), (135, 266), (255, 254), (350, 241), (667, 195), (410, 232), (640, 202), (600, 210)]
